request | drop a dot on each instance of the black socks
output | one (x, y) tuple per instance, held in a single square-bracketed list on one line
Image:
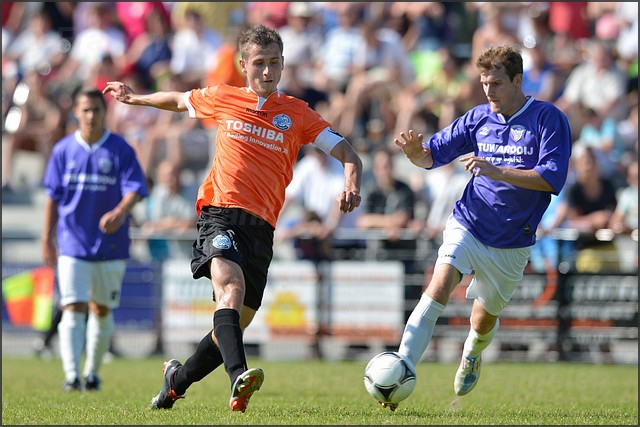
[(206, 358), (226, 326)]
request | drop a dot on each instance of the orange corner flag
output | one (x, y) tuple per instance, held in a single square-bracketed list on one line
[(28, 297)]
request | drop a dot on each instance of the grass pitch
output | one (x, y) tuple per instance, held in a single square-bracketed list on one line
[(327, 393)]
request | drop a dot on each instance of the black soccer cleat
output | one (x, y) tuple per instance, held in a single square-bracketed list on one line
[(92, 382), (167, 396), (72, 385)]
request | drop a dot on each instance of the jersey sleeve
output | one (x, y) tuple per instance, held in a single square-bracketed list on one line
[(315, 131), (555, 149), (200, 103), (133, 178), (451, 142), (53, 175)]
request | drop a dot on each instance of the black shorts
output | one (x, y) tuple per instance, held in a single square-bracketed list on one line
[(238, 236)]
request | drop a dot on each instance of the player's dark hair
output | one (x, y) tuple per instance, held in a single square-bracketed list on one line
[(89, 92), (258, 35), (501, 57)]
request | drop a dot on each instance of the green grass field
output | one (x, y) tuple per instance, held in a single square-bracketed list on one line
[(321, 393)]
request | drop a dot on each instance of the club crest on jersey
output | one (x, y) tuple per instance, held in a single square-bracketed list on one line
[(517, 132), (222, 241), (282, 121), (105, 164)]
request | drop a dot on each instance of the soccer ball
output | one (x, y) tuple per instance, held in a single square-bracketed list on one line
[(389, 377)]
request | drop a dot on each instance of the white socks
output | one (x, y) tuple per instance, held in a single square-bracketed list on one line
[(74, 331), (475, 343), (419, 328), (71, 331), (99, 332)]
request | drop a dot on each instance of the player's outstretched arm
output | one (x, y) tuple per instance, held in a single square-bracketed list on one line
[(411, 145), (172, 101)]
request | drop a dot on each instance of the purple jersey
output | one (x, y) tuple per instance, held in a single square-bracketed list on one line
[(537, 137), (87, 181)]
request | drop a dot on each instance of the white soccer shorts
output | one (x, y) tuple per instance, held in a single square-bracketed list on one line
[(497, 271), (84, 281)]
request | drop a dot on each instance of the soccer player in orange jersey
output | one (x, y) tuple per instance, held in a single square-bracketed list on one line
[(260, 131)]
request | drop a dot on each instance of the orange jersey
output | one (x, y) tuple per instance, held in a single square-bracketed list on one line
[(256, 147)]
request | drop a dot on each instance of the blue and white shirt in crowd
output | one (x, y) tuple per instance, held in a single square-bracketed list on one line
[(537, 137), (87, 181)]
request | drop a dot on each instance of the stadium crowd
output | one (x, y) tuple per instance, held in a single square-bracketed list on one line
[(372, 69)]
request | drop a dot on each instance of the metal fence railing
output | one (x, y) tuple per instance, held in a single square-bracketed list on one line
[(559, 314)]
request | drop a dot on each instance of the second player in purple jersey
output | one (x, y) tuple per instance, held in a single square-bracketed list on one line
[(92, 180), (87, 181), (517, 152), (537, 137)]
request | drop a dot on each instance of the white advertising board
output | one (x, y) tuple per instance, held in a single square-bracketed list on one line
[(359, 300)]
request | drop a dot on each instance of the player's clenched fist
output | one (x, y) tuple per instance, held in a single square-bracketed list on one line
[(348, 201)]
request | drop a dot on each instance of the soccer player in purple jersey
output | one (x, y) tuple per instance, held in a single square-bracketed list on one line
[(517, 151), (92, 180)]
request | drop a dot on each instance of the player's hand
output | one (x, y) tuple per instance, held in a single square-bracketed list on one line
[(119, 91), (49, 253), (480, 166), (348, 200), (411, 145), (111, 221)]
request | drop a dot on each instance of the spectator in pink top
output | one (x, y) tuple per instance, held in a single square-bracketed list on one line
[(270, 13), (133, 16), (570, 18)]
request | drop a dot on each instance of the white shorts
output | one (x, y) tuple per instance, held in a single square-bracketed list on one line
[(497, 271), (84, 281)]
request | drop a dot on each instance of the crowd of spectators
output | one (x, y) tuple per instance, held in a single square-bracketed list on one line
[(371, 68)]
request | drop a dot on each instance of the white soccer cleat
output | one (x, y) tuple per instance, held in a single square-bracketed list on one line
[(467, 375)]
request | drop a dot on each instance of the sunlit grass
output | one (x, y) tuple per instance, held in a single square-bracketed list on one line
[(321, 393)]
